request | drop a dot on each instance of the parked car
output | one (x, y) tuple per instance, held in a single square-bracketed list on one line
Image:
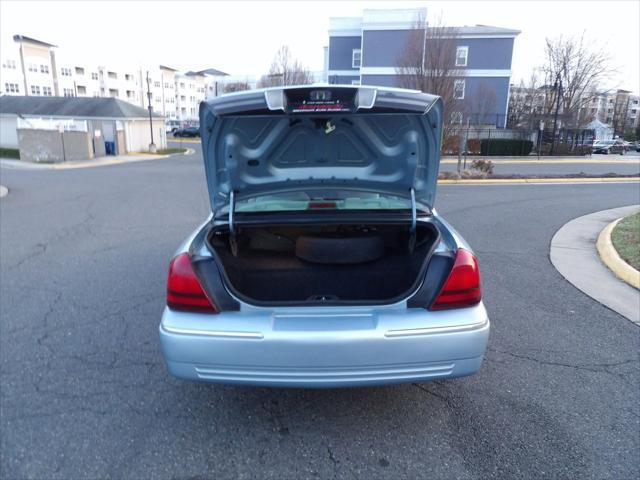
[(187, 132), (171, 126), (609, 146), (324, 262)]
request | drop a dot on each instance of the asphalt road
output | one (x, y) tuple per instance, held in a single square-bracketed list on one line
[(85, 394)]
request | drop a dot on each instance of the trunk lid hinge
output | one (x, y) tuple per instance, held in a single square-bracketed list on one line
[(233, 244), (414, 221)]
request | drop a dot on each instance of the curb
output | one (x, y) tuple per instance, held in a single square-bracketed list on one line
[(612, 260), (509, 181), (4, 191), (574, 255)]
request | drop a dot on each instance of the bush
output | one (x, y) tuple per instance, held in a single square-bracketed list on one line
[(10, 153), (501, 146), (483, 166)]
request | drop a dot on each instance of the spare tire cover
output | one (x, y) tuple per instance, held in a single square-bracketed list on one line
[(339, 250)]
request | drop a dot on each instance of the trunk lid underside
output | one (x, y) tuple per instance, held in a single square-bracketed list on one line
[(365, 139)]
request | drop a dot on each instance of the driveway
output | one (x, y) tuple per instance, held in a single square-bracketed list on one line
[(85, 393)]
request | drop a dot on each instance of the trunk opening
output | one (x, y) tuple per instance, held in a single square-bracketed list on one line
[(323, 264)]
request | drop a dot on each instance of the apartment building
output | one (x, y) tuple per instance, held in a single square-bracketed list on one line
[(36, 68), (367, 50)]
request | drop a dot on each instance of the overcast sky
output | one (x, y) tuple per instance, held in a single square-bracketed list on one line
[(241, 37)]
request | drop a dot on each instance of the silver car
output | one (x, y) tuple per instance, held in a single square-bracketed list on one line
[(323, 262)]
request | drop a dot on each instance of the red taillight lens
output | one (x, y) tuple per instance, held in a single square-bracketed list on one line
[(184, 291), (462, 288)]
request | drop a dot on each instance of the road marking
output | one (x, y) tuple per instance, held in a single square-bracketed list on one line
[(182, 141)]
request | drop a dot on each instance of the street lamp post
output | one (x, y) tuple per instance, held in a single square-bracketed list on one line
[(152, 146), (557, 86)]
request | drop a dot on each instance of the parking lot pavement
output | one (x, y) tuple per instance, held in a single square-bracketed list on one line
[(85, 393)]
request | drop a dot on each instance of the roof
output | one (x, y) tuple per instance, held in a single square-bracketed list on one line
[(76, 107), (164, 67), (211, 71), (23, 38), (481, 30)]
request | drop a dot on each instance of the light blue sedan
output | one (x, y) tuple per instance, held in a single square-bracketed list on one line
[(323, 262)]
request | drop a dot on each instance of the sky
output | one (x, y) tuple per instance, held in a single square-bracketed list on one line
[(241, 37)]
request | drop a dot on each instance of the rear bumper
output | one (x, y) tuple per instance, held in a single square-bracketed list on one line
[(324, 349)]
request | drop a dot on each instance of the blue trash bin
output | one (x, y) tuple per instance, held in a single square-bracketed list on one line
[(110, 148)]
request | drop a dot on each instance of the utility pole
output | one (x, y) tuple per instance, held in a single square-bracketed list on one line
[(152, 146), (557, 86)]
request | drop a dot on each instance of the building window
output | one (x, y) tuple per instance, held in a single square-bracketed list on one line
[(355, 82), (82, 90), (33, 67), (68, 92), (156, 84), (456, 117), (35, 90), (9, 64), (11, 88), (79, 71), (462, 54), (458, 89), (46, 91), (128, 77), (94, 76), (112, 75), (44, 68), (96, 94), (356, 58), (113, 92), (66, 72)]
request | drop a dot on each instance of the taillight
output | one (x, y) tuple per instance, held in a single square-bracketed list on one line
[(184, 291), (462, 288)]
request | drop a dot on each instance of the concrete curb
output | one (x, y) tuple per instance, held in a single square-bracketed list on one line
[(573, 253), (513, 181), (4, 191), (612, 260)]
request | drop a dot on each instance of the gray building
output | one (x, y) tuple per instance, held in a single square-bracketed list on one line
[(367, 49), (96, 126)]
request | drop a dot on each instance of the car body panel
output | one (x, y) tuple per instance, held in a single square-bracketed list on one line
[(324, 346), (253, 148)]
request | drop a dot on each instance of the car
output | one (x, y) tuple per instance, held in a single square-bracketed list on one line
[(171, 126), (608, 146), (323, 262), (187, 132)]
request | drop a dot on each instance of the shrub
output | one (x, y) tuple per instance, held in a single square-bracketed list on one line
[(10, 153), (501, 146), (484, 166)]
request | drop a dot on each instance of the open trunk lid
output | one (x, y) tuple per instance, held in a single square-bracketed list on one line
[(367, 139)]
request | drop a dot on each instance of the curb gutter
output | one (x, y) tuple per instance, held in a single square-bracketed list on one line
[(612, 260), (508, 181)]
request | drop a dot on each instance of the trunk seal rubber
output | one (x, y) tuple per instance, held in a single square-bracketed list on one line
[(352, 303)]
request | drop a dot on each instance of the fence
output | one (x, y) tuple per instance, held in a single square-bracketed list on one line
[(468, 140)]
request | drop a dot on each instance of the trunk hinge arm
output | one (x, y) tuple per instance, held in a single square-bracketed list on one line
[(414, 221), (233, 244)]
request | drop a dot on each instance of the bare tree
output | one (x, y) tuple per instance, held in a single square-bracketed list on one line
[(481, 107), (428, 63), (285, 70), (235, 87), (573, 71), (526, 104)]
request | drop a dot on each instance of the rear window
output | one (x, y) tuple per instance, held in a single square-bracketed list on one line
[(322, 200)]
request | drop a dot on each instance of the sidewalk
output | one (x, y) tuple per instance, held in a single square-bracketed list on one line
[(573, 253), (96, 162), (533, 159)]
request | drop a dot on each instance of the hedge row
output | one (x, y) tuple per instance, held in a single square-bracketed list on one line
[(505, 147), (10, 153)]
